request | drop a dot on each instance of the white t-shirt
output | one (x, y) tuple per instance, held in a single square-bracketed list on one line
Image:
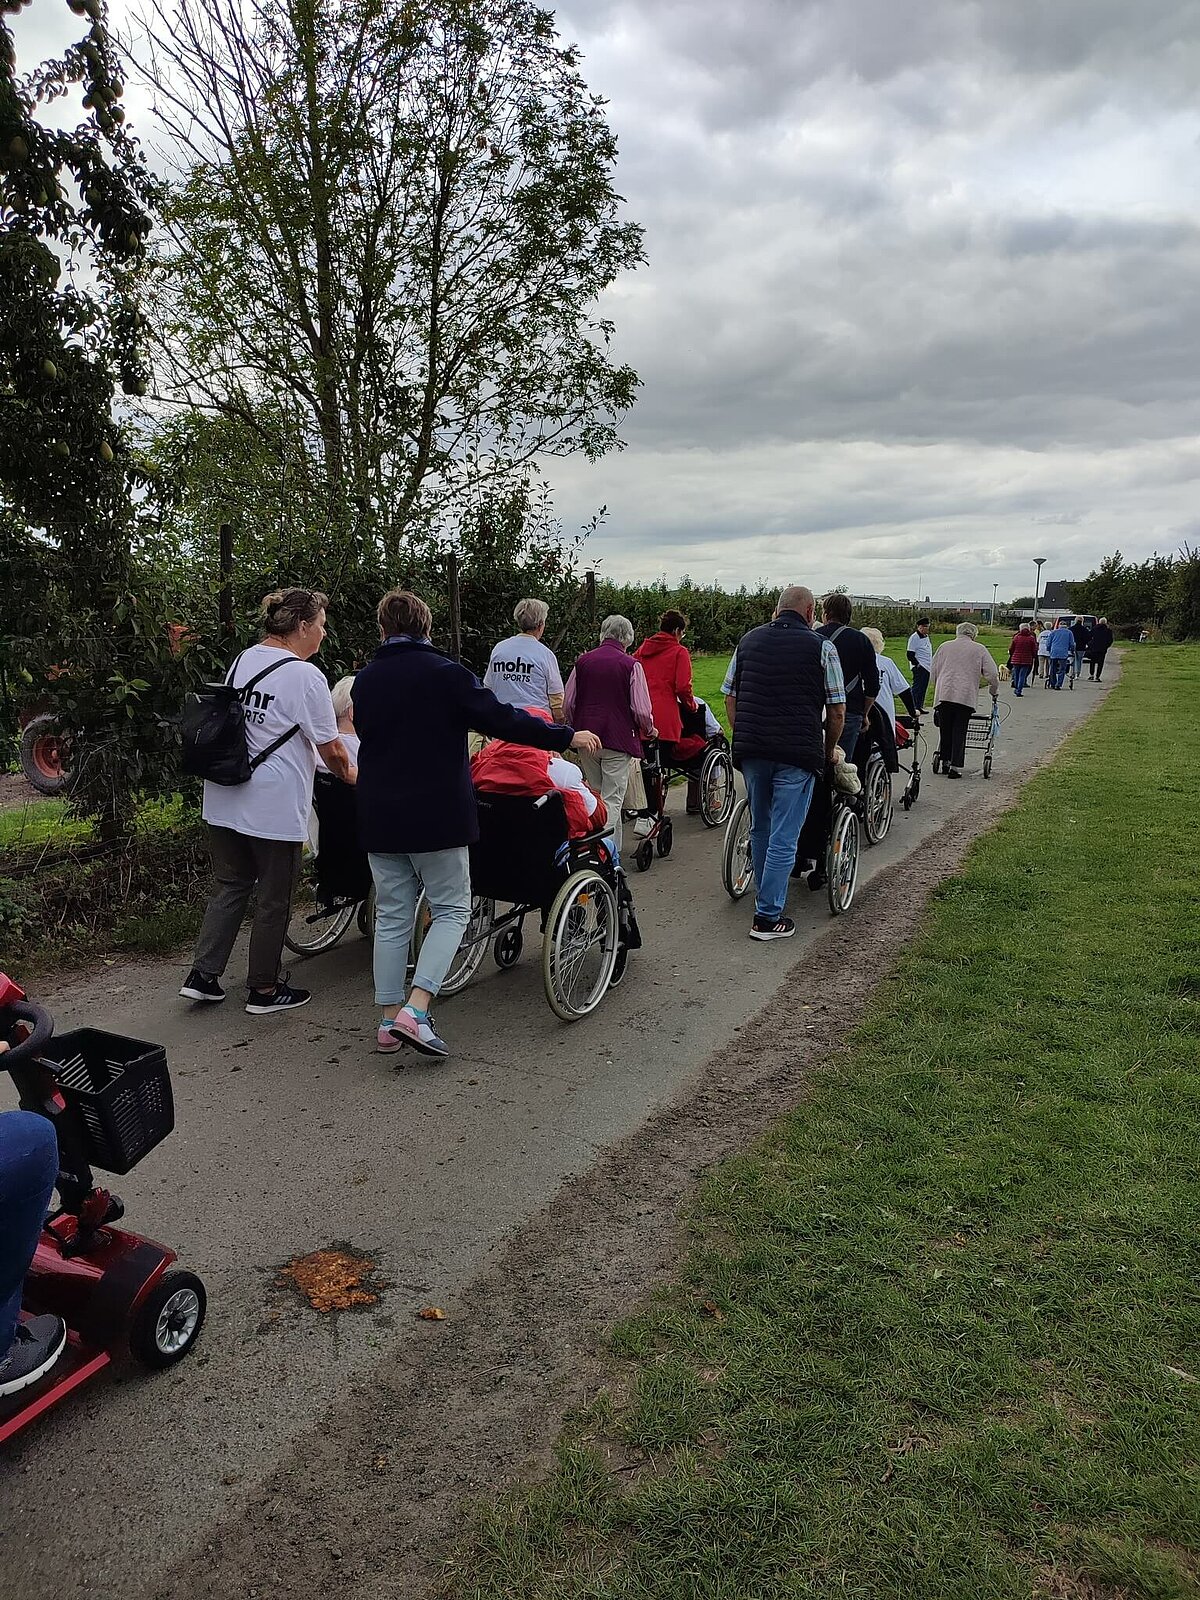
[(274, 804), (891, 683), (921, 647), (522, 671), (1044, 644), (566, 775)]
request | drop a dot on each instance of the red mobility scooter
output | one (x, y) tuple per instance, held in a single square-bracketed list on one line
[(109, 1099)]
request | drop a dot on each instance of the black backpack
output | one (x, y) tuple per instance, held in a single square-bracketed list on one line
[(213, 728)]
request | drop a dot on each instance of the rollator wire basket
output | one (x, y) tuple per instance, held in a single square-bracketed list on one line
[(120, 1090)]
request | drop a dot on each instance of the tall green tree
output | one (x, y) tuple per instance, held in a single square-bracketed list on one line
[(79, 615), (385, 260)]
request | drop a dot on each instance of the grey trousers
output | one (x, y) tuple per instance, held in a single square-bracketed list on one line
[(242, 866)]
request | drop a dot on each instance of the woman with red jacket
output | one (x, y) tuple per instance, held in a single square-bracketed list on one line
[(505, 768), (668, 669)]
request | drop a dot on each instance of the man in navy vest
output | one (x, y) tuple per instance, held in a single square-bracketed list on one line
[(786, 705)]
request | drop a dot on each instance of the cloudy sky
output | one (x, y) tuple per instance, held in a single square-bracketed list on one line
[(923, 291)]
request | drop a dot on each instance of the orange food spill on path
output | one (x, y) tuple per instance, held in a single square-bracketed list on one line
[(332, 1280)]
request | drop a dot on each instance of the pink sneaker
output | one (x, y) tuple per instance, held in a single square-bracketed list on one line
[(386, 1042), (407, 1029)]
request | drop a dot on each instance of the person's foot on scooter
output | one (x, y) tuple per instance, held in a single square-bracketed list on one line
[(200, 986), (263, 1002), (38, 1344)]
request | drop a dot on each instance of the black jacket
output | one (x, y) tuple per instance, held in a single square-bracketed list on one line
[(779, 684), (1081, 634), (859, 667), (413, 708), (1100, 641)]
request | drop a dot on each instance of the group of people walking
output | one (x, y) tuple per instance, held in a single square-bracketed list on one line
[(1038, 649)]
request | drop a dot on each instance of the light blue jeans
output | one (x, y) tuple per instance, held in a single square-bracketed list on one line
[(779, 798), (445, 875)]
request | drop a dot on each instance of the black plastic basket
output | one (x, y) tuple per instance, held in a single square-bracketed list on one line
[(121, 1090)]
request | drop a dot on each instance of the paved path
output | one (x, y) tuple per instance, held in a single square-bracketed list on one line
[(293, 1134)]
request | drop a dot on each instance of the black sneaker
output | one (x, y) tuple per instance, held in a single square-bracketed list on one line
[(772, 928), (261, 1003), (37, 1346), (197, 987), (953, 772)]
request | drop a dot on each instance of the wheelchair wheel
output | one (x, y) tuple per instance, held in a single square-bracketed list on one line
[(666, 837), (579, 947), (877, 801), (620, 965), (506, 951), (716, 789), (314, 926), (842, 861), (737, 869), (366, 916), (987, 765), (468, 958), (937, 760), (644, 855)]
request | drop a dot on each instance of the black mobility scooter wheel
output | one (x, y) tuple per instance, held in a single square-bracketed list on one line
[(169, 1320)]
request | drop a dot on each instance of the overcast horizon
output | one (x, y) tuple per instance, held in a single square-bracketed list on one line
[(921, 294)]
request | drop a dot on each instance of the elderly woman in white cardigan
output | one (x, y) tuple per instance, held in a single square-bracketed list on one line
[(959, 667)]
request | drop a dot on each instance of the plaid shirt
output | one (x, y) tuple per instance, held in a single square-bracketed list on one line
[(835, 683)]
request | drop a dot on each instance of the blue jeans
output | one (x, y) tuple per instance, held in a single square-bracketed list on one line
[(919, 685), (1078, 661), (1020, 677), (445, 875), (28, 1168), (1058, 671), (779, 797), (851, 729)]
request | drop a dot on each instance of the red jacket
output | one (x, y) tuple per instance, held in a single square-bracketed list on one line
[(1022, 652), (503, 768), (668, 669)]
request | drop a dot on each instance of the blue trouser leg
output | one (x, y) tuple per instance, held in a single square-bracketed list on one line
[(779, 797), (1020, 677), (28, 1168), (920, 684), (851, 729), (445, 876)]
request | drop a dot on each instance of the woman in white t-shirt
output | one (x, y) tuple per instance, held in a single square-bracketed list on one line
[(256, 829), (522, 671)]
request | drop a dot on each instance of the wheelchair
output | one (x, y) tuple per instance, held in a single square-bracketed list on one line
[(335, 881), (833, 818), (711, 768), (525, 862)]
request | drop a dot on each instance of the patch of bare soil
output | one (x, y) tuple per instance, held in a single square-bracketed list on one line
[(367, 1503), (15, 792)]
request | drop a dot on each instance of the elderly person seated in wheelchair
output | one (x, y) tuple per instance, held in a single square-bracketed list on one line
[(505, 768)]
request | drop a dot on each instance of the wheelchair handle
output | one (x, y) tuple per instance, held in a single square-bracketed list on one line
[(42, 1031)]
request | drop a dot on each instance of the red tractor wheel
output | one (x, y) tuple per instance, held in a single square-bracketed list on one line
[(42, 756)]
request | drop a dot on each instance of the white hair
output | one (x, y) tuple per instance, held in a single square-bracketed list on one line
[(530, 614), (618, 628), (875, 637), (967, 630), (343, 705)]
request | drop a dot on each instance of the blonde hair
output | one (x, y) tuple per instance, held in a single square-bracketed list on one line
[(284, 610), (343, 703)]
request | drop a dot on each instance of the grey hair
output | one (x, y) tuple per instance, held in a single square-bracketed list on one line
[(795, 597), (967, 630), (875, 637), (530, 614), (618, 628), (342, 703)]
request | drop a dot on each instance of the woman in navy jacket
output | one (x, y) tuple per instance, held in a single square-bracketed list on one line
[(413, 709)]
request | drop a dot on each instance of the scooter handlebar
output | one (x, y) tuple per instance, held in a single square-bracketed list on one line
[(41, 1025)]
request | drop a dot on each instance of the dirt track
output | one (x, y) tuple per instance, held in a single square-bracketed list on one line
[(531, 1188)]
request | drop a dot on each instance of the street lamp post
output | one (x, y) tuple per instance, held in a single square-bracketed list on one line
[(995, 586), (1039, 562)]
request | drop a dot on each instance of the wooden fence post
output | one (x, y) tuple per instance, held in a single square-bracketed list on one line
[(225, 574), (589, 584), (455, 596)]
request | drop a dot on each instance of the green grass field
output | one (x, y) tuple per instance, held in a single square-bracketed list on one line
[(955, 1352), (708, 671)]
